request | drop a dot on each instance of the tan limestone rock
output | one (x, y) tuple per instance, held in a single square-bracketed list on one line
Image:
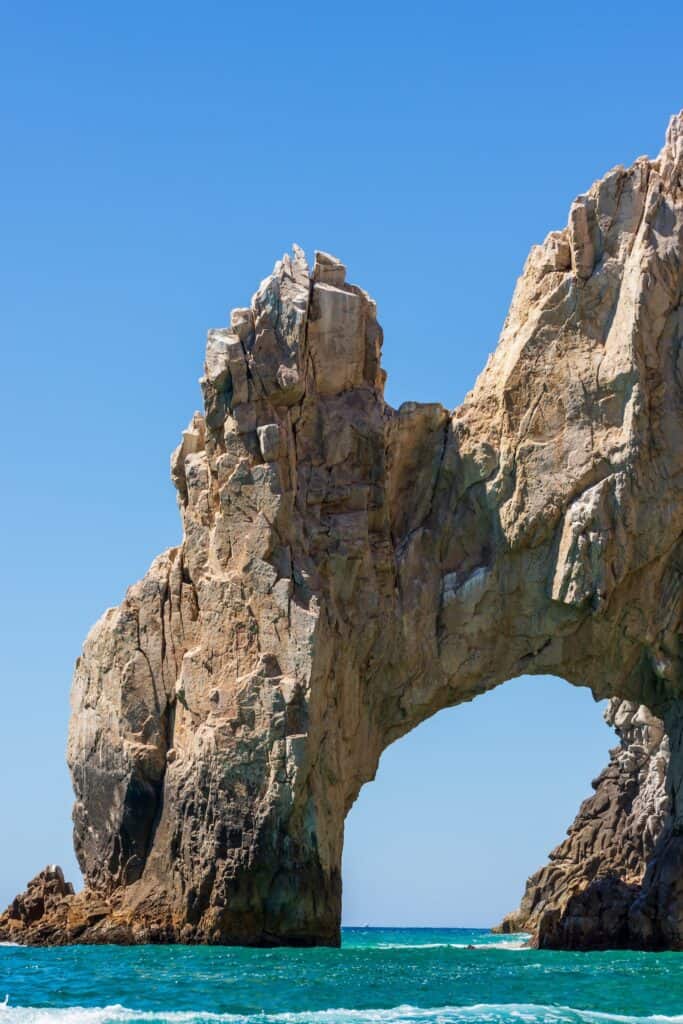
[(347, 570)]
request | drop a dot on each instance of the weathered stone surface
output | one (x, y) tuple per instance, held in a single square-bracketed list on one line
[(347, 570), (590, 894), (43, 894)]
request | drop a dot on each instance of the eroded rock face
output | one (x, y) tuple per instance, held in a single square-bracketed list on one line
[(348, 569), (591, 892), (43, 894)]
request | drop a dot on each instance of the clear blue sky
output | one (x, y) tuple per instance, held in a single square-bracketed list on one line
[(156, 159)]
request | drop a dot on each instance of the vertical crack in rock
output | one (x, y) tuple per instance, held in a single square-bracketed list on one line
[(347, 570)]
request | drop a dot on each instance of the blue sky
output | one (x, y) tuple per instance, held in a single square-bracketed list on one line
[(157, 158)]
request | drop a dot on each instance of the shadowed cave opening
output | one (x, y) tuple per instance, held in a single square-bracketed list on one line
[(469, 804)]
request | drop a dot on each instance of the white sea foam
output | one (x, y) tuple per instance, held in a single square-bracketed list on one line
[(499, 944), (483, 1013)]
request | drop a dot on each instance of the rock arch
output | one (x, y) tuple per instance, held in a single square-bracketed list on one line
[(347, 569), (447, 832)]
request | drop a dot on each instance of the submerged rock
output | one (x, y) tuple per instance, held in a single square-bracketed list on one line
[(348, 569)]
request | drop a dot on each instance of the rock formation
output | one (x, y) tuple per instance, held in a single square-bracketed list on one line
[(44, 897), (348, 569), (591, 891)]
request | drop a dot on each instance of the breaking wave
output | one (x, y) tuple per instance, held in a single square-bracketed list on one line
[(482, 1013)]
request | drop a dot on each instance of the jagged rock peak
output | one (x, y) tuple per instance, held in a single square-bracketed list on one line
[(671, 156)]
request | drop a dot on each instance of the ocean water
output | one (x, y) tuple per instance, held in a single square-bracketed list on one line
[(379, 976)]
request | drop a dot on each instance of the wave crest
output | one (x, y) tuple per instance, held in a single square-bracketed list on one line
[(481, 1013)]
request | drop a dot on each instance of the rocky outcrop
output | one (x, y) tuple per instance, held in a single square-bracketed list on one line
[(348, 569), (590, 894), (45, 895), (50, 913)]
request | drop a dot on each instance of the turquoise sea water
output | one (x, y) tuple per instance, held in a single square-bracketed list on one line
[(379, 976)]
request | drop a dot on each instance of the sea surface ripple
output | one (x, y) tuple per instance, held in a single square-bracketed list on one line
[(379, 976)]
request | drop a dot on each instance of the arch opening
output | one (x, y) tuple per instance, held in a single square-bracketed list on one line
[(471, 803)]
